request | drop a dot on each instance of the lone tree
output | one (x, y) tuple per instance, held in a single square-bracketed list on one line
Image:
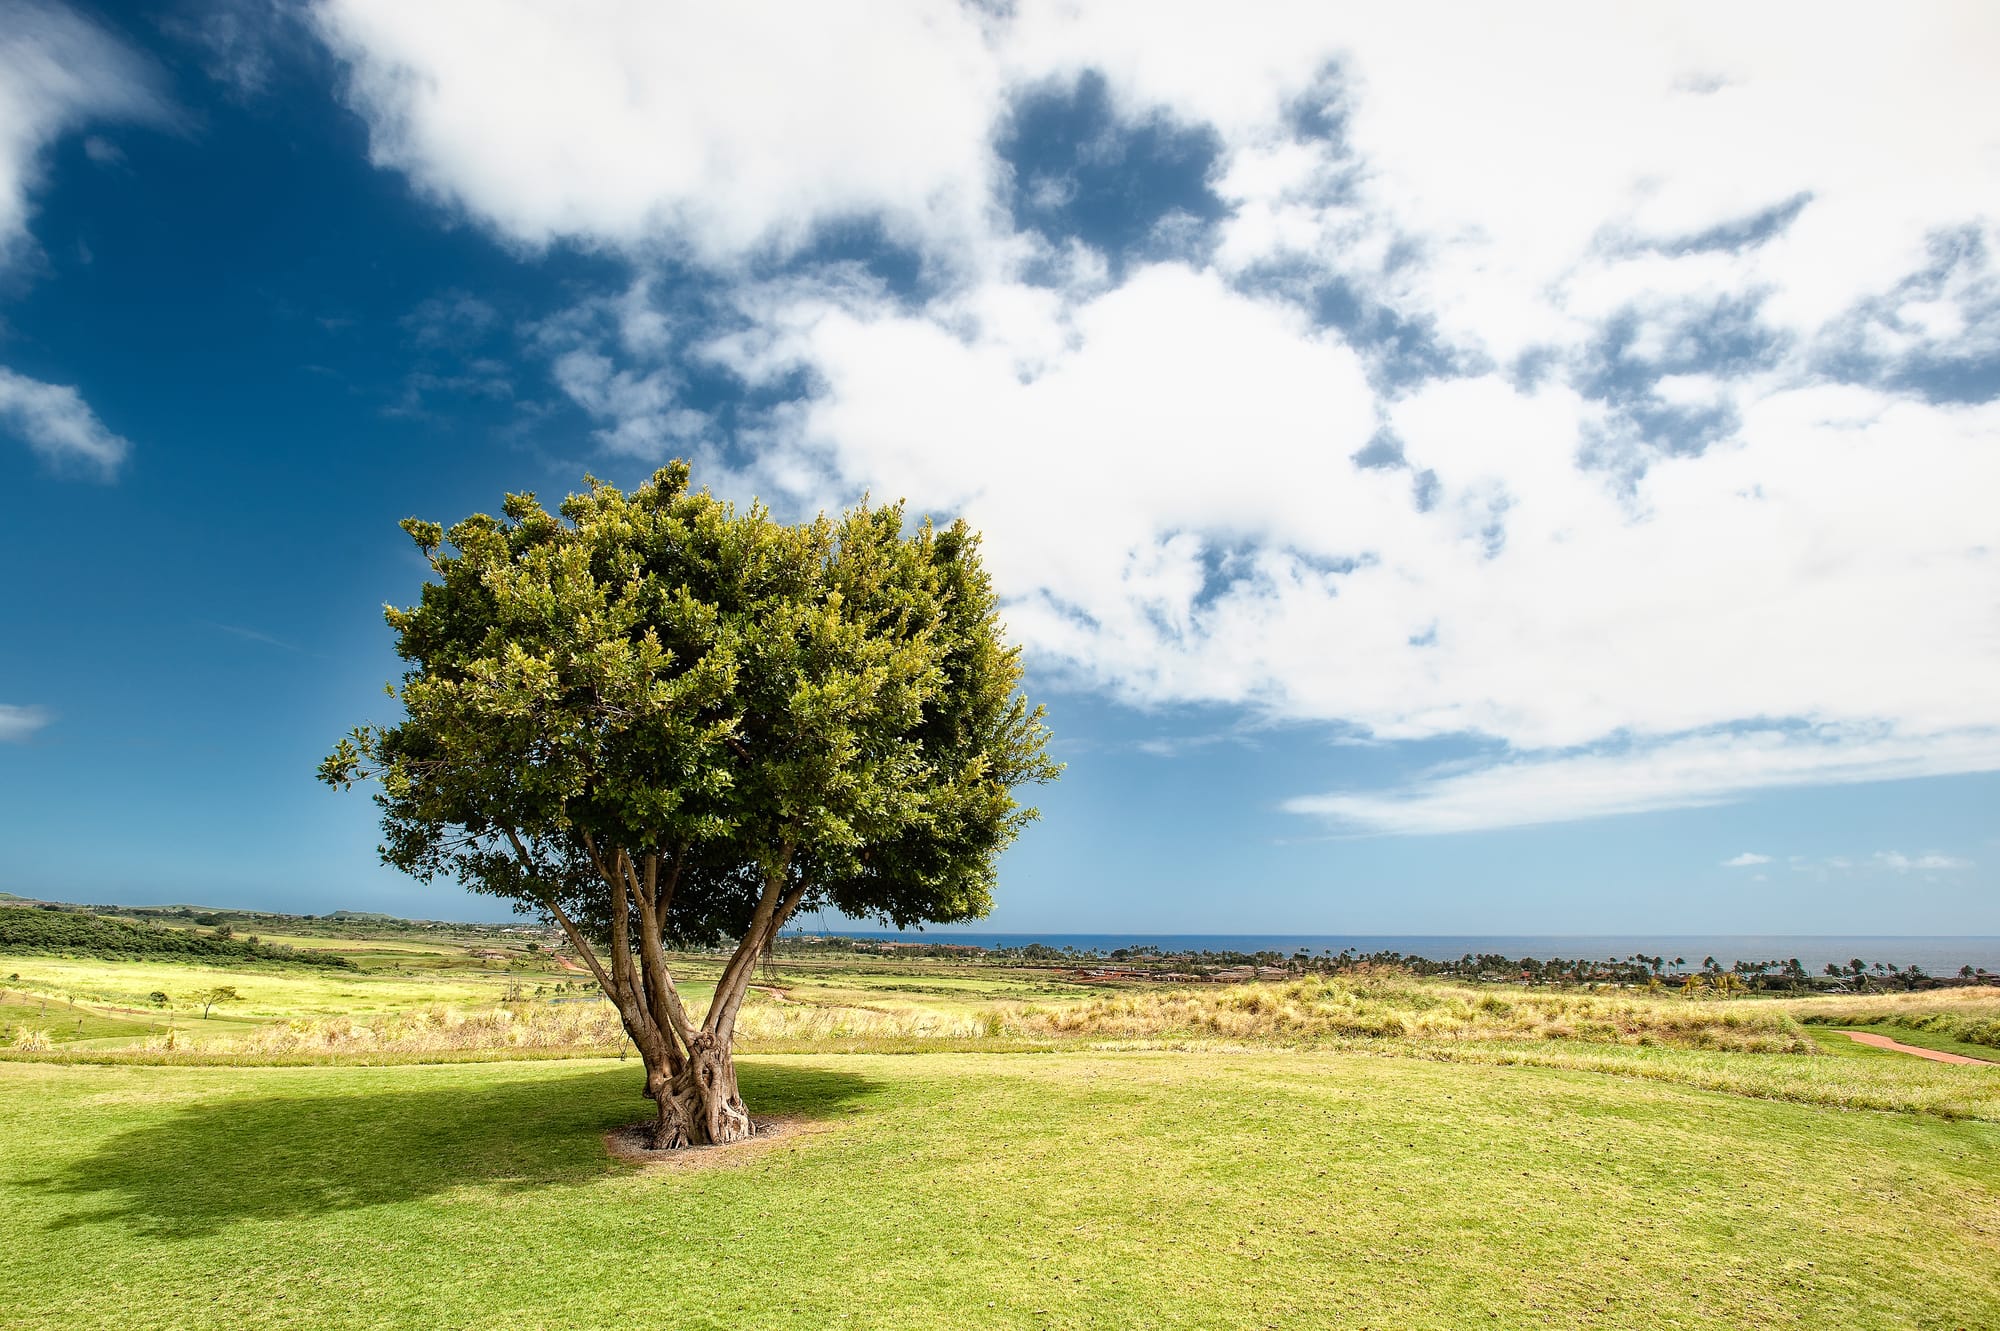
[(221, 993), (663, 722)]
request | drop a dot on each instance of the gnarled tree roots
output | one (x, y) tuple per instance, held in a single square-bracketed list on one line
[(699, 1102)]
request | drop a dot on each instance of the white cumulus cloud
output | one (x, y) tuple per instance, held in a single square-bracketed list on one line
[(1655, 504), (722, 128), (1745, 860)]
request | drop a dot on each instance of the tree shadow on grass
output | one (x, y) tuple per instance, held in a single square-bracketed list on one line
[(202, 1167)]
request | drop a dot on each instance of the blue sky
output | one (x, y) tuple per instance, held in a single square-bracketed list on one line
[(1445, 479)]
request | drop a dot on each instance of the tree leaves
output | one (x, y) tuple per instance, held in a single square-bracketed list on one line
[(832, 700)]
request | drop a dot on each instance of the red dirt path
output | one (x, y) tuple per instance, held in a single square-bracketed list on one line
[(1935, 1055)]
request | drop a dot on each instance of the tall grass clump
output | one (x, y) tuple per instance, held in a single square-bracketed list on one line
[(808, 1022)]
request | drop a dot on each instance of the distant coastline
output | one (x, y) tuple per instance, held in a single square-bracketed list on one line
[(1936, 954)]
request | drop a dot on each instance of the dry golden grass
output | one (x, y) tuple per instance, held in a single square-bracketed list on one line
[(1380, 1007), (582, 1026), (1970, 1015), (811, 1022), (1384, 1007), (1394, 1006)]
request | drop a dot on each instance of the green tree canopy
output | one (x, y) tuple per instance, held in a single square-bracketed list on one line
[(661, 720)]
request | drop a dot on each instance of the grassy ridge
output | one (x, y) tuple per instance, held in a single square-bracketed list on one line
[(64, 933)]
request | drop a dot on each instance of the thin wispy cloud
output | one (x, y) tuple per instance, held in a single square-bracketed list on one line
[(254, 635), (1745, 860), (1689, 772), (59, 72), (20, 723), (55, 421), (1930, 861)]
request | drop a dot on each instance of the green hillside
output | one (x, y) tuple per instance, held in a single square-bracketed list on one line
[(75, 934)]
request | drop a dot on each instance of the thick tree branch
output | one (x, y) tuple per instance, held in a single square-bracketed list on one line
[(789, 904), (735, 981), (583, 948), (667, 1010), (673, 880), (621, 941), (597, 860)]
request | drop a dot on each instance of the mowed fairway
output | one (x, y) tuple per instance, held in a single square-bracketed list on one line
[(1065, 1190)]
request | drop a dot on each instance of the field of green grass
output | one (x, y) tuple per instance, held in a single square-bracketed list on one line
[(978, 1145), (1128, 1190)]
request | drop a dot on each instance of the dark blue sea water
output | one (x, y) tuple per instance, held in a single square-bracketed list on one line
[(1937, 955)]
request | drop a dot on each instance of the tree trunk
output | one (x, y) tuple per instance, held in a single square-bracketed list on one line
[(690, 1073), (700, 1106)]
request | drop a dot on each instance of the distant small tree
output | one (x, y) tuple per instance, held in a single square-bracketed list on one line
[(221, 993), (661, 721), (158, 998), (224, 932)]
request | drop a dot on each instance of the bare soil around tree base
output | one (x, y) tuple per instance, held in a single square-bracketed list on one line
[(629, 1143)]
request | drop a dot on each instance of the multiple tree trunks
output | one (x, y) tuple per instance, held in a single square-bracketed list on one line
[(690, 1069)]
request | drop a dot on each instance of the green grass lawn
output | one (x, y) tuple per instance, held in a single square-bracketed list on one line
[(1056, 1190), (269, 991), (66, 1022)]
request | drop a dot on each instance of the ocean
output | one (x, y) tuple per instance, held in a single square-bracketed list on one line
[(1937, 955)]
